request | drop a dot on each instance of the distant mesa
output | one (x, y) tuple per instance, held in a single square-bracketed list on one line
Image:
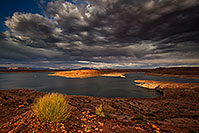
[(3, 68), (85, 68), (15, 68), (19, 68)]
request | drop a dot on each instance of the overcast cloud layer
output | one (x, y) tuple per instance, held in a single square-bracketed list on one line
[(104, 34)]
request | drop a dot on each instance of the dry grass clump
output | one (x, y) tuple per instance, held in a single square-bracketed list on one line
[(51, 108), (103, 110)]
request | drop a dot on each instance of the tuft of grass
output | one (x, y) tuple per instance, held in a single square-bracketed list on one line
[(51, 108), (103, 111)]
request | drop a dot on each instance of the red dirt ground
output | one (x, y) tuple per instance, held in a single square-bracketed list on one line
[(175, 112)]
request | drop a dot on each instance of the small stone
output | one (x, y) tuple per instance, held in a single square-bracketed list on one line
[(154, 126)]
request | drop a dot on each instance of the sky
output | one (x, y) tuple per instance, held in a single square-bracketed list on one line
[(126, 34)]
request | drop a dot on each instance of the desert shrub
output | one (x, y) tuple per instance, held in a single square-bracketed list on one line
[(51, 108), (191, 131), (29, 101), (139, 117), (103, 110), (150, 114)]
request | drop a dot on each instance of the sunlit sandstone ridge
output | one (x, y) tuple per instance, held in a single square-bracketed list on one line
[(161, 85), (87, 73)]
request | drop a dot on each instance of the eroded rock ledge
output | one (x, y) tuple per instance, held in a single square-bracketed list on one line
[(161, 85)]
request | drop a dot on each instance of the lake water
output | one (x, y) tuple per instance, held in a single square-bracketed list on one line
[(95, 86)]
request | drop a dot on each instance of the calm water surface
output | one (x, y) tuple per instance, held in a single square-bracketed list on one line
[(96, 86)]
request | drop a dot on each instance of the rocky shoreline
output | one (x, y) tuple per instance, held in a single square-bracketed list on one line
[(175, 111), (179, 72), (161, 85), (173, 75)]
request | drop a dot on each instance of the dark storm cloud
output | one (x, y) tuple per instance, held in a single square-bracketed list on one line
[(33, 29), (125, 21), (109, 31), (134, 21), (13, 51)]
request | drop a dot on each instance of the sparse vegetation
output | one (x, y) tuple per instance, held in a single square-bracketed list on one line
[(51, 108), (139, 117), (29, 101), (191, 131), (150, 114), (103, 110)]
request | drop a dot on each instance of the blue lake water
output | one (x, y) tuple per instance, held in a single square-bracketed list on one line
[(95, 86)]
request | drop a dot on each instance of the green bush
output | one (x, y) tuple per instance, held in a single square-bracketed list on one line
[(103, 110), (51, 108)]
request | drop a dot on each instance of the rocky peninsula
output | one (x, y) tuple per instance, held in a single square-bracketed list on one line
[(88, 73), (161, 85)]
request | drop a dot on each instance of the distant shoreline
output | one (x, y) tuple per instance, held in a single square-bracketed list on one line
[(19, 71), (180, 72)]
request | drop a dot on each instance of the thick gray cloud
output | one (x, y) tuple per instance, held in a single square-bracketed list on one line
[(105, 32), (33, 29)]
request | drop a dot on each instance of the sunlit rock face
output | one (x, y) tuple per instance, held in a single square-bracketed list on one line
[(147, 84), (161, 85), (87, 74)]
